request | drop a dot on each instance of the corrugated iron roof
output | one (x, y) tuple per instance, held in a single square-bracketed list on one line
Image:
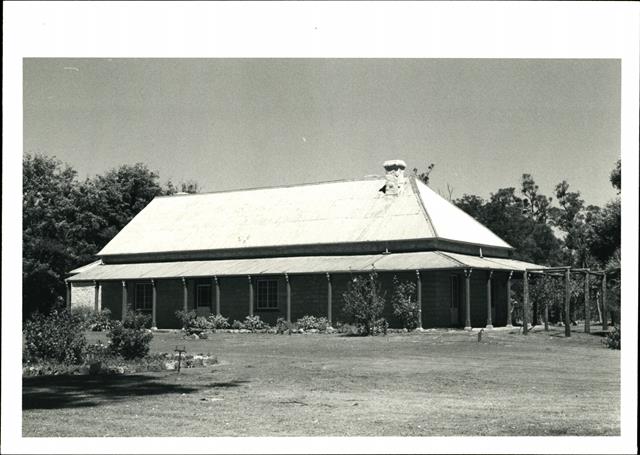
[(330, 212), (427, 260)]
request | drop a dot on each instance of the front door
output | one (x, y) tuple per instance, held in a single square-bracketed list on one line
[(203, 299), (454, 303)]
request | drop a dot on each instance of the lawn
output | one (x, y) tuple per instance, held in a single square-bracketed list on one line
[(435, 383)]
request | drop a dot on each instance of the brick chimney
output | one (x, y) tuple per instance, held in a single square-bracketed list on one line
[(395, 179)]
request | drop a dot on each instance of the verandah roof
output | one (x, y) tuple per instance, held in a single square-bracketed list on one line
[(427, 260)]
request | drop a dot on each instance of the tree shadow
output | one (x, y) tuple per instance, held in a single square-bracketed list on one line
[(57, 392), (234, 383)]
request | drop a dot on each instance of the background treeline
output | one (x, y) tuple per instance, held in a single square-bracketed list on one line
[(66, 221)]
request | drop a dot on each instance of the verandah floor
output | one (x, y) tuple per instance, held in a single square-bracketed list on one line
[(433, 383)]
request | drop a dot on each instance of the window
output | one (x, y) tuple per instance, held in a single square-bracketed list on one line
[(267, 295), (144, 297), (203, 295), (455, 296)]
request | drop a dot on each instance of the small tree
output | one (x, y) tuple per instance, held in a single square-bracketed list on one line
[(405, 304), (130, 338), (364, 301)]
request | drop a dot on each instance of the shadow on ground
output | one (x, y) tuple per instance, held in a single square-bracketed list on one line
[(57, 392)]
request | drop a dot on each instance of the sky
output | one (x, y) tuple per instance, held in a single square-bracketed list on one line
[(241, 123)]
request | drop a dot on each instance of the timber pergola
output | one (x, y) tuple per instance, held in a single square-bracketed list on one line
[(566, 271)]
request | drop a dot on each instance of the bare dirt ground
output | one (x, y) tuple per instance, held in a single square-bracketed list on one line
[(435, 383)]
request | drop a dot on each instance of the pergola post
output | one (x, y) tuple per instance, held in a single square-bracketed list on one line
[(250, 295), (587, 306), (546, 316), (67, 285), (509, 322), (419, 298), (567, 302), (286, 279), (124, 300), (489, 321), (96, 296), (525, 302), (605, 315), (329, 300), (467, 299), (154, 300), (217, 286)]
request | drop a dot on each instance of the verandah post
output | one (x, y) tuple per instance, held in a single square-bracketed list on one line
[(489, 321), (185, 295), (217, 285), (154, 299), (467, 297), (329, 300), (509, 322), (567, 302), (286, 278), (124, 300), (250, 295), (96, 296), (587, 304), (419, 298), (525, 302)]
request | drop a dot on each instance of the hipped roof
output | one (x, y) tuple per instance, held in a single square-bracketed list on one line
[(427, 260), (321, 213)]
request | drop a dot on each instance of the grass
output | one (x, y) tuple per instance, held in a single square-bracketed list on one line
[(436, 383)]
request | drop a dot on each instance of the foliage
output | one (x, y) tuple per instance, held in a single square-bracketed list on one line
[(254, 323), (96, 321), (364, 301), (312, 323), (612, 341), (519, 222), (186, 318), (130, 339), (424, 176), (405, 304), (57, 336), (217, 321), (284, 326), (616, 177), (237, 325)]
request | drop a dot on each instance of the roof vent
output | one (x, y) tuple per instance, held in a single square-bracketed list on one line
[(394, 175)]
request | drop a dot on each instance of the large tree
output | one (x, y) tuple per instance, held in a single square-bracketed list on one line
[(66, 221)]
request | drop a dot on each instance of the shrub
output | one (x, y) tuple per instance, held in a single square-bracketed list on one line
[(130, 338), (186, 318), (237, 325), (313, 323), (612, 341), (101, 320), (96, 321), (381, 326), (57, 336), (218, 321), (254, 323), (405, 304), (284, 326), (364, 301)]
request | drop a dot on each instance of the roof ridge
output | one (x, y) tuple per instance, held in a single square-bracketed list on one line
[(292, 185), (444, 253), (469, 216), (416, 192)]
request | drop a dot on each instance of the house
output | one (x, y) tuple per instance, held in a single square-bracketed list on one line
[(290, 251)]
